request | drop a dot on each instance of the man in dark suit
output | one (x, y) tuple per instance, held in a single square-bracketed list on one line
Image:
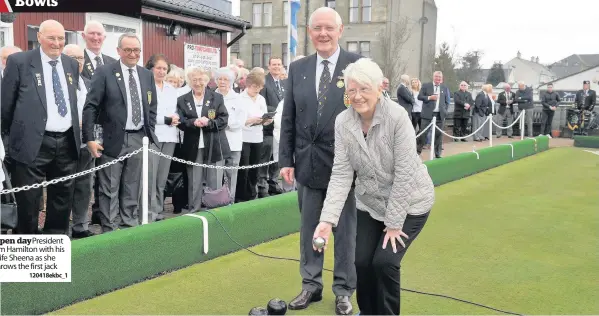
[(122, 99), (405, 97), (524, 99), (273, 93), (585, 101), (313, 98), (550, 100), (40, 116), (94, 35), (506, 101), (83, 184), (434, 98)]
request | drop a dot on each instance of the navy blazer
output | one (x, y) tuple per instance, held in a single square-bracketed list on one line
[(305, 145), (106, 105), (428, 106), (24, 105), (88, 66)]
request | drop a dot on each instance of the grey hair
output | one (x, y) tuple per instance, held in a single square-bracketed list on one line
[(338, 20), (128, 35), (521, 83), (94, 23), (70, 47), (176, 72), (16, 49), (365, 72), (405, 79), (438, 72), (225, 72), (196, 70)]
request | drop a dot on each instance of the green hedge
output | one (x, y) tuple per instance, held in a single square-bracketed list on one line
[(111, 261), (586, 141)]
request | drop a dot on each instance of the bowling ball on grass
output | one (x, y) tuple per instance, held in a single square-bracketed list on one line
[(258, 311), (277, 307)]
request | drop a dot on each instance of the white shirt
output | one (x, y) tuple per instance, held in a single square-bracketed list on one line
[(167, 106), (56, 122), (253, 134), (183, 90), (81, 96), (92, 58), (417, 102), (199, 105), (237, 118), (125, 73), (276, 133), (438, 93), (320, 66)]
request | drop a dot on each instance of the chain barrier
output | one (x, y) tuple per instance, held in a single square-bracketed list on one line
[(92, 170), (195, 164), (467, 136), (72, 176), (516, 120)]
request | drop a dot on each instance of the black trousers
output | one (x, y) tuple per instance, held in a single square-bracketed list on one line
[(460, 126), (546, 120), (438, 136), (378, 269), (54, 160), (247, 179), (268, 175)]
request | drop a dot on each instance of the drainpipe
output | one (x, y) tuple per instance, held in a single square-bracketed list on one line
[(237, 38)]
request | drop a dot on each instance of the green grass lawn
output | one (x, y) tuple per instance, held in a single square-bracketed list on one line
[(522, 237)]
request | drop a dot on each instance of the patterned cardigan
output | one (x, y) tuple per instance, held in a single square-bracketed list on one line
[(391, 179)]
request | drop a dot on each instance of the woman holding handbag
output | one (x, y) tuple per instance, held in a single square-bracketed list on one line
[(204, 119)]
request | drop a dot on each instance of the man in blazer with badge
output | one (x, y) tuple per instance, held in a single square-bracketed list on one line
[(40, 116), (122, 99), (273, 93), (314, 96), (434, 97), (94, 35)]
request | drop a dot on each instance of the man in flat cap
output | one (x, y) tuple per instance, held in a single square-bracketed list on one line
[(585, 101)]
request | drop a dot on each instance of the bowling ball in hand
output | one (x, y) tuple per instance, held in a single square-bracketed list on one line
[(258, 311), (277, 307)]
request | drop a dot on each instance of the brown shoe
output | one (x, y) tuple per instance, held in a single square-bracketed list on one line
[(303, 300)]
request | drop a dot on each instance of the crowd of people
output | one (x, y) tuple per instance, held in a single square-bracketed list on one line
[(85, 109)]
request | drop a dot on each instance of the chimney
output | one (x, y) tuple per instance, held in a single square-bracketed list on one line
[(537, 59), (532, 59), (519, 54)]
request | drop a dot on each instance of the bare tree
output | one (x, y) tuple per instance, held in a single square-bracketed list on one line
[(393, 38)]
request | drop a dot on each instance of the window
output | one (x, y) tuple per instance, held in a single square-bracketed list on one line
[(354, 11), (267, 8), (365, 49), (256, 55), (284, 53), (32, 43), (330, 3), (362, 48), (257, 11), (285, 12), (266, 53), (366, 11)]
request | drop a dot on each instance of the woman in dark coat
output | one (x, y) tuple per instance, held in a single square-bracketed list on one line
[(204, 118)]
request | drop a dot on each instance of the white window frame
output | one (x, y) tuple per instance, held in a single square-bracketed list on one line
[(117, 20), (267, 16), (9, 36), (257, 14), (285, 13)]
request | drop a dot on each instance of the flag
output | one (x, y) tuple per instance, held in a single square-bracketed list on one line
[(294, 7)]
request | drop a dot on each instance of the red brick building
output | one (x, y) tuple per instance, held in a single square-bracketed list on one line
[(165, 26)]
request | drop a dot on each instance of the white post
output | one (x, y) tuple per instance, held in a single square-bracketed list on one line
[(144, 180), (522, 124), (490, 130), (433, 130)]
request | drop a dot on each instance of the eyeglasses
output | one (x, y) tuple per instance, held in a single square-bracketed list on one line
[(365, 90), (137, 51)]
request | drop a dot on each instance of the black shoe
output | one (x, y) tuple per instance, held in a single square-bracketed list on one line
[(263, 195), (83, 234), (275, 191), (96, 217), (498, 136), (343, 306), (303, 300), (510, 137), (464, 140)]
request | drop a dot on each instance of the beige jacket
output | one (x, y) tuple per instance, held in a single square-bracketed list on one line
[(391, 181)]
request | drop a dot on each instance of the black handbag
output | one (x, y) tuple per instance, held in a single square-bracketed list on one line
[(8, 211)]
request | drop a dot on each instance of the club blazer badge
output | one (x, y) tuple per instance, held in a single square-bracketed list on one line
[(149, 97)]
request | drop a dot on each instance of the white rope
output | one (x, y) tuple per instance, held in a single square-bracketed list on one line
[(464, 137), (69, 177), (424, 130), (516, 120)]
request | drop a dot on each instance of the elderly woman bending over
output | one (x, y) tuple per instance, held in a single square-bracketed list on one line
[(374, 139)]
